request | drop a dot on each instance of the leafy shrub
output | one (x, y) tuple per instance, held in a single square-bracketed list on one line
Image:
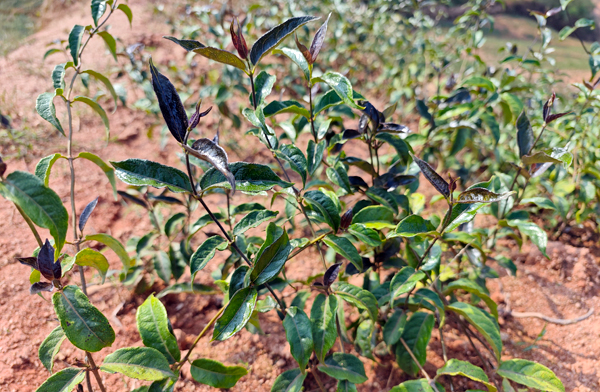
[(416, 266)]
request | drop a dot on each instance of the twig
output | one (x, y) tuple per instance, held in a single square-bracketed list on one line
[(548, 319), (429, 380), (210, 323), (31, 226)]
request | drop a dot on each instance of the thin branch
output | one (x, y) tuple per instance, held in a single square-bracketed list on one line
[(429, 380), (202, 333), (31, 226)]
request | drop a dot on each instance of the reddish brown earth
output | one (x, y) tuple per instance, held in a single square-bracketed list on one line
[(566, 286)]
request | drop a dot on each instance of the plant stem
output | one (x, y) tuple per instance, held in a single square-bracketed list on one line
[(94, 370), (429, 380), (31, 226), (485, 364), (339, 331), (314, 370), (310, 103), (314, 241), (210, 323), (88, 381)]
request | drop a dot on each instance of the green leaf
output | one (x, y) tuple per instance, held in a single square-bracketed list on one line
[(141, 363), (541, 202), (363, 233), (338, 175), (525, 138), (127, 11), (481, 195), (63, 381), (289, 381), (274, 37), (535, 233), (41, 204), (411, 226), (364, 340), (205, 253), (111, 43), (222, 57), (44, 167), (530, 374), (324, 332), (75, 38), (113, 244), (172, 222), (98, 109), (322, 203), (416, 335), (298, 332), (236, 314), (104, 81), (84, 325), (91, 258), (263, 84), (358, 297), (249, 177), (473, 288), (153, 325), (331, 98), (98, 9), (394, 326), (109, 171), (482, 321), (58, 76), (403, 282), (375, 217), (44, 106), (345, 386), (344, 367), (246, 207), (420, 385), (402, 148), (140, 172), (344, 247), (462, 213), (552, 155), (253, 219), (272, 255), (215, 374), (480, 81), (290, 106), (50, 346), (297, 57), (341, 85), (314, 155), (455, 367), (51, 52), (186, 287), (293, 155)]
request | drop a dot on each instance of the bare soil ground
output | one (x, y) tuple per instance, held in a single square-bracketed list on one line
[(566, 286)]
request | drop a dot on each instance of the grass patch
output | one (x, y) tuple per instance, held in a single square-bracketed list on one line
[(18, 19)]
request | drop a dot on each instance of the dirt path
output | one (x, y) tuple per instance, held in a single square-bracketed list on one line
[(571, 351)]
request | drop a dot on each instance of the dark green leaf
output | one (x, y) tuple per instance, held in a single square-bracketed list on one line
[(321, 202), (272, 255), (297, 57), (153, 325), (290, 106), (403, 282), (473, 288), (75, 38), (323, 316), (50, 346), (215, 374), (63, 381), (84, 325), (531, 374), (98, 9), (289, 381), (402, 148), (421, 385), (44, 106), (433, 177), (186, 44), (104, 81), (525, 138), (186, 287), (141, 363), (274, 36), (236, 314), (97, 108), (205, 253), (416, 335), (222, 57), (338, 175), (535, 233), (140, 172), (394, 326), (344, 367), (110, 42), (293, 155), (249, 177), (344, 247), (41, 204), (482, 321), (358, 297), (58, 76), (481, 195), (170, 104), (480, 81), (298, 332), (253, 219), (263, 86), (127, 11), (246, 207), (413, 225), (314, 154), (368, 236)]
